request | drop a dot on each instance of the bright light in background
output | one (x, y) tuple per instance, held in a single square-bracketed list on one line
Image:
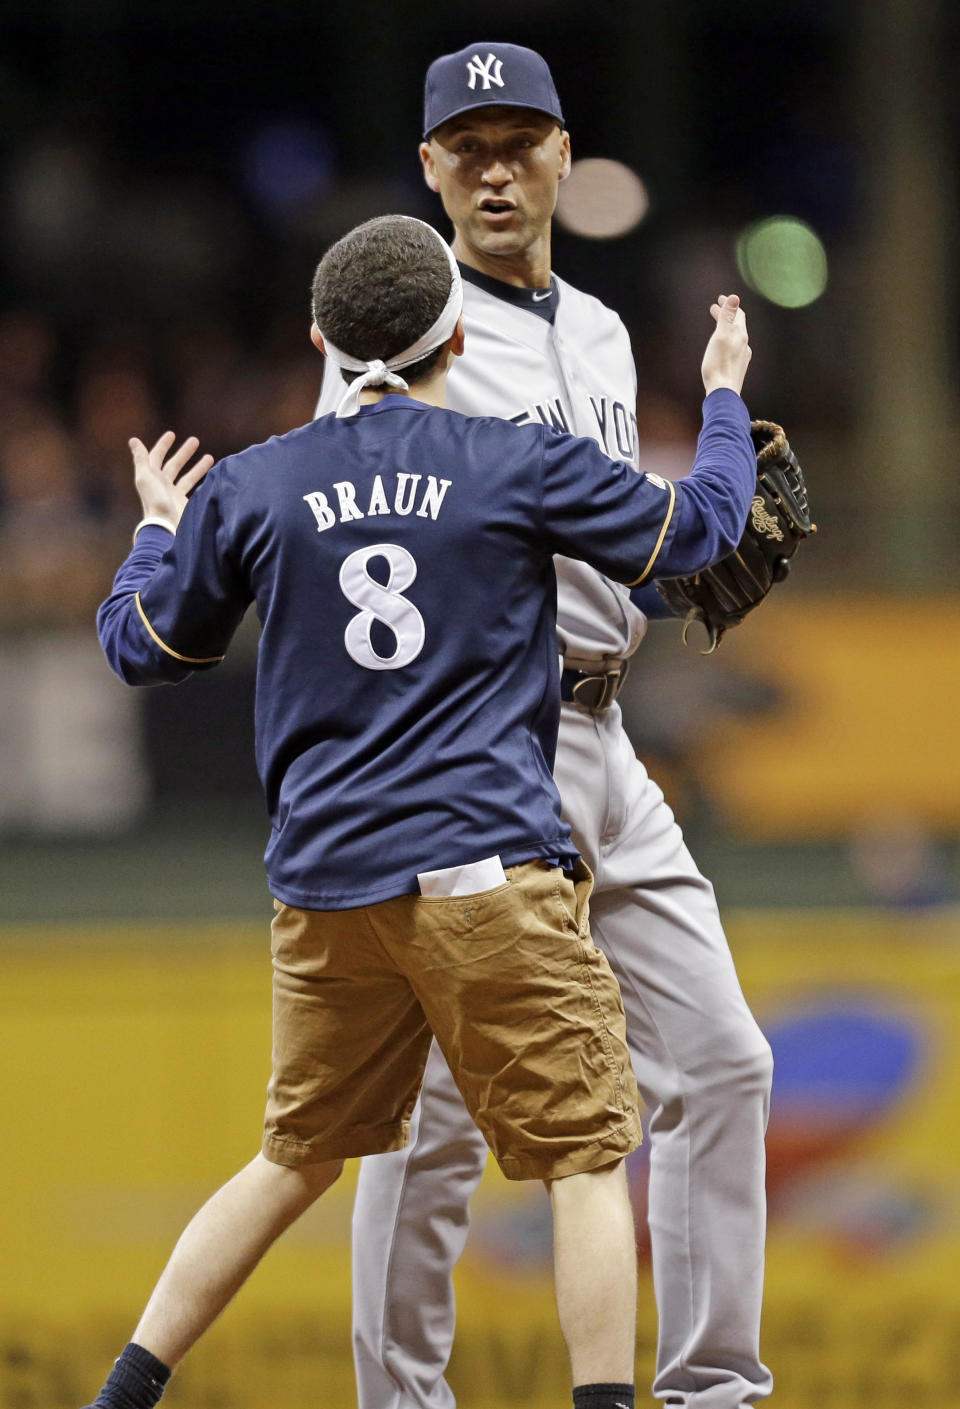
[(602, 199), (784, 260)]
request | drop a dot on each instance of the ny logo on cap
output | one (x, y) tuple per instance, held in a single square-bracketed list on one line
[(489, 72)]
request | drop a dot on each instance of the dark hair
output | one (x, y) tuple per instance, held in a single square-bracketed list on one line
[(379, 289)]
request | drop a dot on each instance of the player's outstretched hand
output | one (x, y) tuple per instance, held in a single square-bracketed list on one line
[(728, 352), (164, 484)]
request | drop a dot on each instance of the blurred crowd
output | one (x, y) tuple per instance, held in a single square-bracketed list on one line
[(67, 502)]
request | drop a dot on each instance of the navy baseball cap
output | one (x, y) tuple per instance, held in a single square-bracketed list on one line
[(483, 75)]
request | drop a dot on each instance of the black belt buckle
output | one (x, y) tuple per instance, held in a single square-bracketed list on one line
[(593, 692)]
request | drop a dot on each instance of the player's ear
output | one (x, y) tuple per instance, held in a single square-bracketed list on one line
[(457, 341), (316, 337), (429, 167), (564, 154)]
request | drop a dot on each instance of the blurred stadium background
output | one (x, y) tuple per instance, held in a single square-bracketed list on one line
[(170, 176)]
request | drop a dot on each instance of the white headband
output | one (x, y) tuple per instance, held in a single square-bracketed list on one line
[(382, 373)]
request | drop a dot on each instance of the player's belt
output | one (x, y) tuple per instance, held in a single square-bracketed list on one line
[(593, 689)]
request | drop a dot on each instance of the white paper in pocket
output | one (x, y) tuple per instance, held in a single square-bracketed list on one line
[(472, 879)]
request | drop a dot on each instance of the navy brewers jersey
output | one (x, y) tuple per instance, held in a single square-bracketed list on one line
[(401, 565)]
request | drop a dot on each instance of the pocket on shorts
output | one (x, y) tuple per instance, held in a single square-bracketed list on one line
[(286, 929), (567, 895), (463, 881), (468, 899), (574, 896)]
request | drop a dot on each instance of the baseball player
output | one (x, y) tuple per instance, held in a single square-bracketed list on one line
[(541, 352), (407, 704)]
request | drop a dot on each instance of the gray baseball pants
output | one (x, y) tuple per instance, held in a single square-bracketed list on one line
[(704, 1070)]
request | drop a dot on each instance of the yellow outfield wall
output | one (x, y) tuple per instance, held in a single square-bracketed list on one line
[(865, 726), (134, 1063)]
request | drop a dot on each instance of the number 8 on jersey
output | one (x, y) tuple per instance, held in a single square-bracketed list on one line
[(382, 602)]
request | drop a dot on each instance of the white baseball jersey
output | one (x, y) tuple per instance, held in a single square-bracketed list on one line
[(575, 374), (702, 1063)]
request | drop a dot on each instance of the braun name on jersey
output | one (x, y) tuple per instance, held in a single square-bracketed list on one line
[(375, 499)]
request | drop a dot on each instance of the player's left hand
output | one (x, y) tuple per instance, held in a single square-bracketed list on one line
[(728, 352), (164, 484)]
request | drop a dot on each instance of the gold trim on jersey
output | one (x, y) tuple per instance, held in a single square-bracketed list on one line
[(668, 484), (187, 660)]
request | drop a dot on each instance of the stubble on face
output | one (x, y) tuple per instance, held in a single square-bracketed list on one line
[(497, 171)]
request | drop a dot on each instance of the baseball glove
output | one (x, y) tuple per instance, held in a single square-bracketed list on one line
[(721, 596)]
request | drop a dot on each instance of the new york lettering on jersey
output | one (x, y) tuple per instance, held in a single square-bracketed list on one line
[(616, 430)]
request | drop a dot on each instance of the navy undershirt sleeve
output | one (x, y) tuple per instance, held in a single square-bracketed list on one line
[(177, 599), (634, 528), (714, 499), (130, 650)]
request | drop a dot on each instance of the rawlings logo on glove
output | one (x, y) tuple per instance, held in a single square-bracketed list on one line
[(779, 519), (763, 522)]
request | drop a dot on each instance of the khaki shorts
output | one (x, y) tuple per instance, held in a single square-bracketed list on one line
[(525, 1008)]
